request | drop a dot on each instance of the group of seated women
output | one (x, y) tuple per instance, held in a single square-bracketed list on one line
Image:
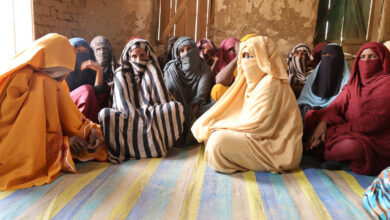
[(63, 99)]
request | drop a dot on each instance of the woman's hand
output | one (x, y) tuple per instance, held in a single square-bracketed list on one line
[(93, 65), (95, 139), (77, 145), (90, 64), (318, 136)]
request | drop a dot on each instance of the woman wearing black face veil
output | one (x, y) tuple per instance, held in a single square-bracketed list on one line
[(86, 81), (326, 81)]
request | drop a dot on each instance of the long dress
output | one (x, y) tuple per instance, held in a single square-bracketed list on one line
[(145, 120), (189, 80), (256, 125)]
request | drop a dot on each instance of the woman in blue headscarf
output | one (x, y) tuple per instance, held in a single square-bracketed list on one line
[(86, 81), (326, 81), (188, 78)]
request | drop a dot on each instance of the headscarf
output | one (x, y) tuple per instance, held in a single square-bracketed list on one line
[(317, 50), (329, 75), (80, 77), (167, 55), (224, 56), (375, 70), (105, 56), (297, 66), (190, 65), (41, 55), (209, 42), (136, 67), (247, 37)]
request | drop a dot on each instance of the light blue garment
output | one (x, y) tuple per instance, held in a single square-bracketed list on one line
[(376, 199), (307, 96)]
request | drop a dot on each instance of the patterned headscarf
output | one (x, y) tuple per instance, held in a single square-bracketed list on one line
[(298, 66), (136, 68), (104, 56)]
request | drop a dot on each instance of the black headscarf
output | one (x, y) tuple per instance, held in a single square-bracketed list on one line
[(330, 72)]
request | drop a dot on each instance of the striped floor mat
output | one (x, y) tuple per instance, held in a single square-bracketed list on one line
[(182, 186)]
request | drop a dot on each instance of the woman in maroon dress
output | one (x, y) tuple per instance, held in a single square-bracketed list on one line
[(355, 128)]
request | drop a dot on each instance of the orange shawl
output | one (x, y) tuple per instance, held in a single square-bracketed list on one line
[(36, 115)]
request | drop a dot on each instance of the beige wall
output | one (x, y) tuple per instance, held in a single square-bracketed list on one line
[(117, 20), (288, 22)]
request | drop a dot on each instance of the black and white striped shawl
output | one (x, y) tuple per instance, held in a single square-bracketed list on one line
[(297, 66), (144, 120)]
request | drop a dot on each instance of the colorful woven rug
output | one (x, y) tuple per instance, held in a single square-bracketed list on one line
[(182, 186)]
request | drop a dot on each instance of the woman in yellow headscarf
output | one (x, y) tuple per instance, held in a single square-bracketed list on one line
[(225, 77), (256, 125), (37, 114)]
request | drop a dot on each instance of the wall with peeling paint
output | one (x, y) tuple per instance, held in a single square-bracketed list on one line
[(288, 22), (117, 20)]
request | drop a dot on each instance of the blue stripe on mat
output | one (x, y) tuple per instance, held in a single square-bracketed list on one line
[(155, 197), (216, 198), (19, 201), (334, 200), (80, 199), (276, 199), (285, 201), (104, 189), (339, 196), (363, 180)]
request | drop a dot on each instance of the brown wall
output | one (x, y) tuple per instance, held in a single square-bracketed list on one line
[(288, 22), (117, 20)]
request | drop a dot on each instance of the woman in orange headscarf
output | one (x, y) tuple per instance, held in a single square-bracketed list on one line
[(37, 114), (256, 125)]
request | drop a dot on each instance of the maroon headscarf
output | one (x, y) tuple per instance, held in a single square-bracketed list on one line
[(316, 52), (366, 72), (204, 41), (224, 56)]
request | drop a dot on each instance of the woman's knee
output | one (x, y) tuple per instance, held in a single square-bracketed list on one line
[(347, 149)]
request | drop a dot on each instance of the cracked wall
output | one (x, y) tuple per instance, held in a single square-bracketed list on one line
[(288, 22), (117, 20)]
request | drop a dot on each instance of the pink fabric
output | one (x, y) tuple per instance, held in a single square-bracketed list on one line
[(360, 113), (224, 56), (86, 101)]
